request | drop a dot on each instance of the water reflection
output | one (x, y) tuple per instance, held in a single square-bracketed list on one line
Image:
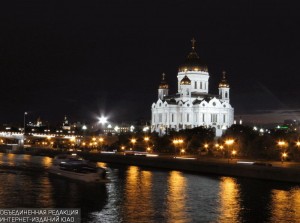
[(230, 204), (148, 195), (138, 196), (285, 205), (10, 159), (176, 198), (46, 161)]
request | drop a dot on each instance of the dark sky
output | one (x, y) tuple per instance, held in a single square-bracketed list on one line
[(87, 58)]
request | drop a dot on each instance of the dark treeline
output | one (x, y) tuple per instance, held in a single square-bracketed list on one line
[(246, 143)]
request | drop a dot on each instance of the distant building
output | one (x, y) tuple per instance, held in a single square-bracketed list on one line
[(66, 125), (192, 105)]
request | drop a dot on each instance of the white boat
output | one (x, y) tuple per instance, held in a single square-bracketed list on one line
[(76, 168)]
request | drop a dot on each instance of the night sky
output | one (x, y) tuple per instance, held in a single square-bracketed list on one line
[(87, 58)]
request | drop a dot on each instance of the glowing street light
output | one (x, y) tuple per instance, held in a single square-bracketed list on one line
[(133, 141), (146, 138), (177, 142), (229, 142), (283, 156), (298, 143), (282, 143), (102, 120)]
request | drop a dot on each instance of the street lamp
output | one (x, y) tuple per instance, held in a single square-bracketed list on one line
[(282, 144), (133, 141), (229, 142), (283, 156), (25, 113), (177, 142), (233, 153), (146, 138)]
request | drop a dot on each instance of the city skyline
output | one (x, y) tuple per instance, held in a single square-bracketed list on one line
[(106, 58)]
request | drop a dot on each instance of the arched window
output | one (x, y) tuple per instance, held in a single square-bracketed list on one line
[(226, 94)]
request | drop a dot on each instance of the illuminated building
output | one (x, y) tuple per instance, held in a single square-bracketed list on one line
[(192, 105)]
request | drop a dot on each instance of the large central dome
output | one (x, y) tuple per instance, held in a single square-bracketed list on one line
[(193, 62)]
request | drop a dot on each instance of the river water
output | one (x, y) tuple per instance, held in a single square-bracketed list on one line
[(136, 194)]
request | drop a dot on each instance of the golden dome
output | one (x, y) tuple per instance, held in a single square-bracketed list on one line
[(185, 81), (224, 83), (193, 62), (163, 84)]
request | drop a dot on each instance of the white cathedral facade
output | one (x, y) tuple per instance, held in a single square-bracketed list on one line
[(192, 105)]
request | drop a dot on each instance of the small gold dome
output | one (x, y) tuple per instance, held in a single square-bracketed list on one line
[(163, 84), (224, 83), (185, 81)]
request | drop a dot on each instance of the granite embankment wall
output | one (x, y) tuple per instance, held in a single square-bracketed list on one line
[(223, 169)]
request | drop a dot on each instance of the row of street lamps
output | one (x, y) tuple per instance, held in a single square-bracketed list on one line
[(283, 145), (133, 141)]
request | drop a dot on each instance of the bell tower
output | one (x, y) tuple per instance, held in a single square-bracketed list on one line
[(224, 88), (163, 89)]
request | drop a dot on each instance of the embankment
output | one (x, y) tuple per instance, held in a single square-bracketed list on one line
[(217, 168)]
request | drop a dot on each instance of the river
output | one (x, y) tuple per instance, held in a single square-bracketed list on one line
[(136, 194)]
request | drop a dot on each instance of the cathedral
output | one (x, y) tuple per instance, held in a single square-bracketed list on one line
[(192, 105)]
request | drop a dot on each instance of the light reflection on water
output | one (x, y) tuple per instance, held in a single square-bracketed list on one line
[(137, 194), (285, 205), (176, 198), (229, 197)]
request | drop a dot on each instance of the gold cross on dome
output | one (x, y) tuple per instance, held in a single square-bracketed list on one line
[(224, 73), (193, 43)]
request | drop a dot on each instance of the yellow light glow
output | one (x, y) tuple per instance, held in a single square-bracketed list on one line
[(281, 143), (229, 141), (284, 155)]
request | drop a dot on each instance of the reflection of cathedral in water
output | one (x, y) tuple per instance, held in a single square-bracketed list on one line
[(192, 105)]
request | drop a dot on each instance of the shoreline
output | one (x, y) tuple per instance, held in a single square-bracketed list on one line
[(201, 166), (282, 174)]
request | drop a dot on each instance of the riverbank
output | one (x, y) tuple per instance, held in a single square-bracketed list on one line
[(285, 174), (204, 165)]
